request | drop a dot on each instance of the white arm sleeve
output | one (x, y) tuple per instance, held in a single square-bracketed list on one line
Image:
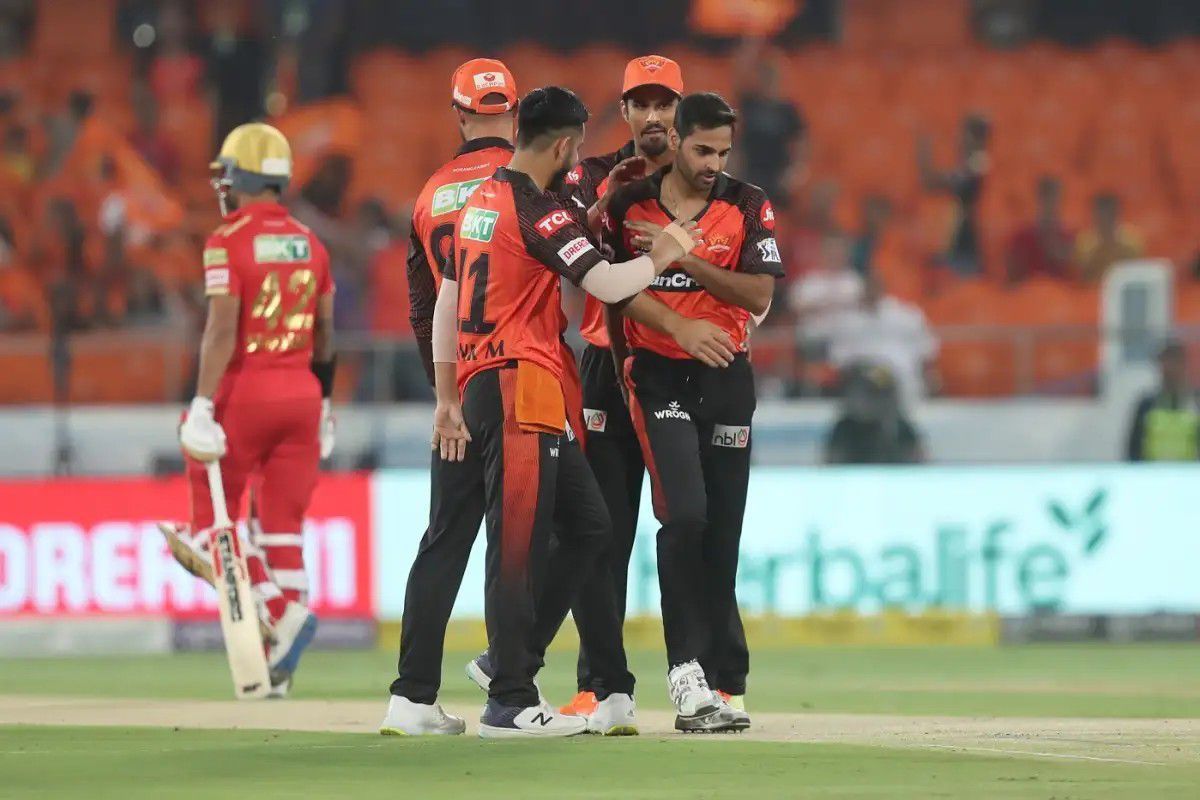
[(445, 333), (612, 283)]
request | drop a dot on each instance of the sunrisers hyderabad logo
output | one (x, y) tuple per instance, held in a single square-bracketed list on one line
[(719, 243), (651, 64)]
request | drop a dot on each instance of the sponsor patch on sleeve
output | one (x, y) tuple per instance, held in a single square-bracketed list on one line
[(767, 216), (215, 256), (216, 281), (575, 175), (553, 222), (574, 249), (769, 251)]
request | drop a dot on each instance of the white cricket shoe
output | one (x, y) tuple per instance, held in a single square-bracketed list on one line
[(615, 715), (280, 691), (293, 633), (735, 705), (540, 721), (479, 671), (697, 707), (406, 718)]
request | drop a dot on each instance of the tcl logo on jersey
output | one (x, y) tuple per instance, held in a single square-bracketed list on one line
[(768, 250), (731, 436), (595, 419), (672, 411), (552, 222), (575, 175), (574, 249), (675, 280), (767, 216)]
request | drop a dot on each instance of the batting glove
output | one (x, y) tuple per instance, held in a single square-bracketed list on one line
[(202, 438), (327, 428)]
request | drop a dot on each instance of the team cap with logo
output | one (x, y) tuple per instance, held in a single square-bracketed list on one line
[(653, 71), (480, 77)]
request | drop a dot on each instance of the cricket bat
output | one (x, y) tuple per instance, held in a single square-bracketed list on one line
[(239, 619)]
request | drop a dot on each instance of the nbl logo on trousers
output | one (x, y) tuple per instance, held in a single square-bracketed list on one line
[(731, 436)]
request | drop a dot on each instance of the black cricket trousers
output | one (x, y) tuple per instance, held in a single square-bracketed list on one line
[(693, 423)]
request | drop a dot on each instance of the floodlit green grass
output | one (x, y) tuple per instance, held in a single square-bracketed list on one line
[(1047, 681), (145, 763)]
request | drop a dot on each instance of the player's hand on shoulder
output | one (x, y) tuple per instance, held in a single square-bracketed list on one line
[(626, 171), (450, 434), (200, 434), (327, 429), (704, 341)]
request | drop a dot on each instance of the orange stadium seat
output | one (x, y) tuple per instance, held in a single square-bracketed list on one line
[(125, 369), (1060, 354), (977, 356), (74, 28)]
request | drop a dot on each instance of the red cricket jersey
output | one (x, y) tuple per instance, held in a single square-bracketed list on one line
[(739, 234), (584, 185), (278, 269), (434, 216), (512, 243)]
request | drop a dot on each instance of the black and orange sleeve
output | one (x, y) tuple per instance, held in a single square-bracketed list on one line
[(552, 235), (760, 251)]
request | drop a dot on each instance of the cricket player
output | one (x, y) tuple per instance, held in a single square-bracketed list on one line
[(484, 99), (499, 373), (651, 89), (693, 420), (266, 376)]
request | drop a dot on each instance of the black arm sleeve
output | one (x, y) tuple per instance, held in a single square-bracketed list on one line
[(422, 297), (553, 236), (760, 252)]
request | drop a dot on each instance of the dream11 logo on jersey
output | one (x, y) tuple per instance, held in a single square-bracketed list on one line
[(91, 547)]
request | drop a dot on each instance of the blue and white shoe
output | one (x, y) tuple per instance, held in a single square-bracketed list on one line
[(293, 633), (540, 722)]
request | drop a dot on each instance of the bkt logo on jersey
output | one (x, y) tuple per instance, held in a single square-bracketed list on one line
[(554, 221), (675, 280), (453, 196), (478, 224), (672, 411), (731, 436), (271, 248)]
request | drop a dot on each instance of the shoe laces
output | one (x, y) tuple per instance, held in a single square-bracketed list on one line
[(691, 681)]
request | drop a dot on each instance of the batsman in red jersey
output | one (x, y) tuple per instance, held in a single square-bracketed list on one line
[(266, 375), (499, 373)]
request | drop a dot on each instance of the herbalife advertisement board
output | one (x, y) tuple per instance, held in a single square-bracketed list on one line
[(1074, 539)]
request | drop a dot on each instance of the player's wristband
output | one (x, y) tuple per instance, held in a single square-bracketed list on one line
[(324, 371)]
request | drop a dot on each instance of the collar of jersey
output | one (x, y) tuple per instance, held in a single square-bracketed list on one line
[(483, 143), (516, 179), (266, 208), (719, 186)]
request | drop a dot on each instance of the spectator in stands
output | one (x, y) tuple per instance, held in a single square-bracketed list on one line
[(877, 211), (888, 332), (237, 67), (1043, 247), (823, 295), (964, 255), (1109, 240), (772, 132), (148, 139), (17, 159), (803, 241), (176, 73), (65, 128), (22, 307), (319, 206), (1166, 423), (872, 427)]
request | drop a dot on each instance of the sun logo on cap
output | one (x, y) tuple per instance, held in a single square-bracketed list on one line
[(489, 76), (651, 64)]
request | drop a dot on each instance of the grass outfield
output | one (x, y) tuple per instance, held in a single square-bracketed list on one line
[(943, 722), (1033, 680)]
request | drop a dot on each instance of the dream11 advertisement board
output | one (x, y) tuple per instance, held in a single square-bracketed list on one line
[(83, 547)]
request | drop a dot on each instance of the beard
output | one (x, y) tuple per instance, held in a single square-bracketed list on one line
[(556, 180), (651, 145), (694, 179)]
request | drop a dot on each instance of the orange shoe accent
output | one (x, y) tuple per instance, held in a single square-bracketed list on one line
[(581, 705), (724, 695)]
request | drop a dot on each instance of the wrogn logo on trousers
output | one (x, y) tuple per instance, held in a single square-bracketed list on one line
[(672, 411)]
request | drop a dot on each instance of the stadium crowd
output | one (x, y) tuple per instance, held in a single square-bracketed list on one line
[(928, 187)]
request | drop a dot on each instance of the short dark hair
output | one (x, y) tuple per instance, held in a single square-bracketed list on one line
[(707, 110), (546, 111)]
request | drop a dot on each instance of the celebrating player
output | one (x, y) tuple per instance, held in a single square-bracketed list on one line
[(484, 96), (651, 90), (692, 420), (266, 375), (500, 392)]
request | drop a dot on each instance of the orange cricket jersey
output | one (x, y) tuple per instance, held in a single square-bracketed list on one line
[(277, 268), (512, 244), (584, 185), (434, 216), (739, 234)]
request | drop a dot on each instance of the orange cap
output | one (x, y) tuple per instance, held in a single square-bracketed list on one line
[(480, 77), (653, 71)]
